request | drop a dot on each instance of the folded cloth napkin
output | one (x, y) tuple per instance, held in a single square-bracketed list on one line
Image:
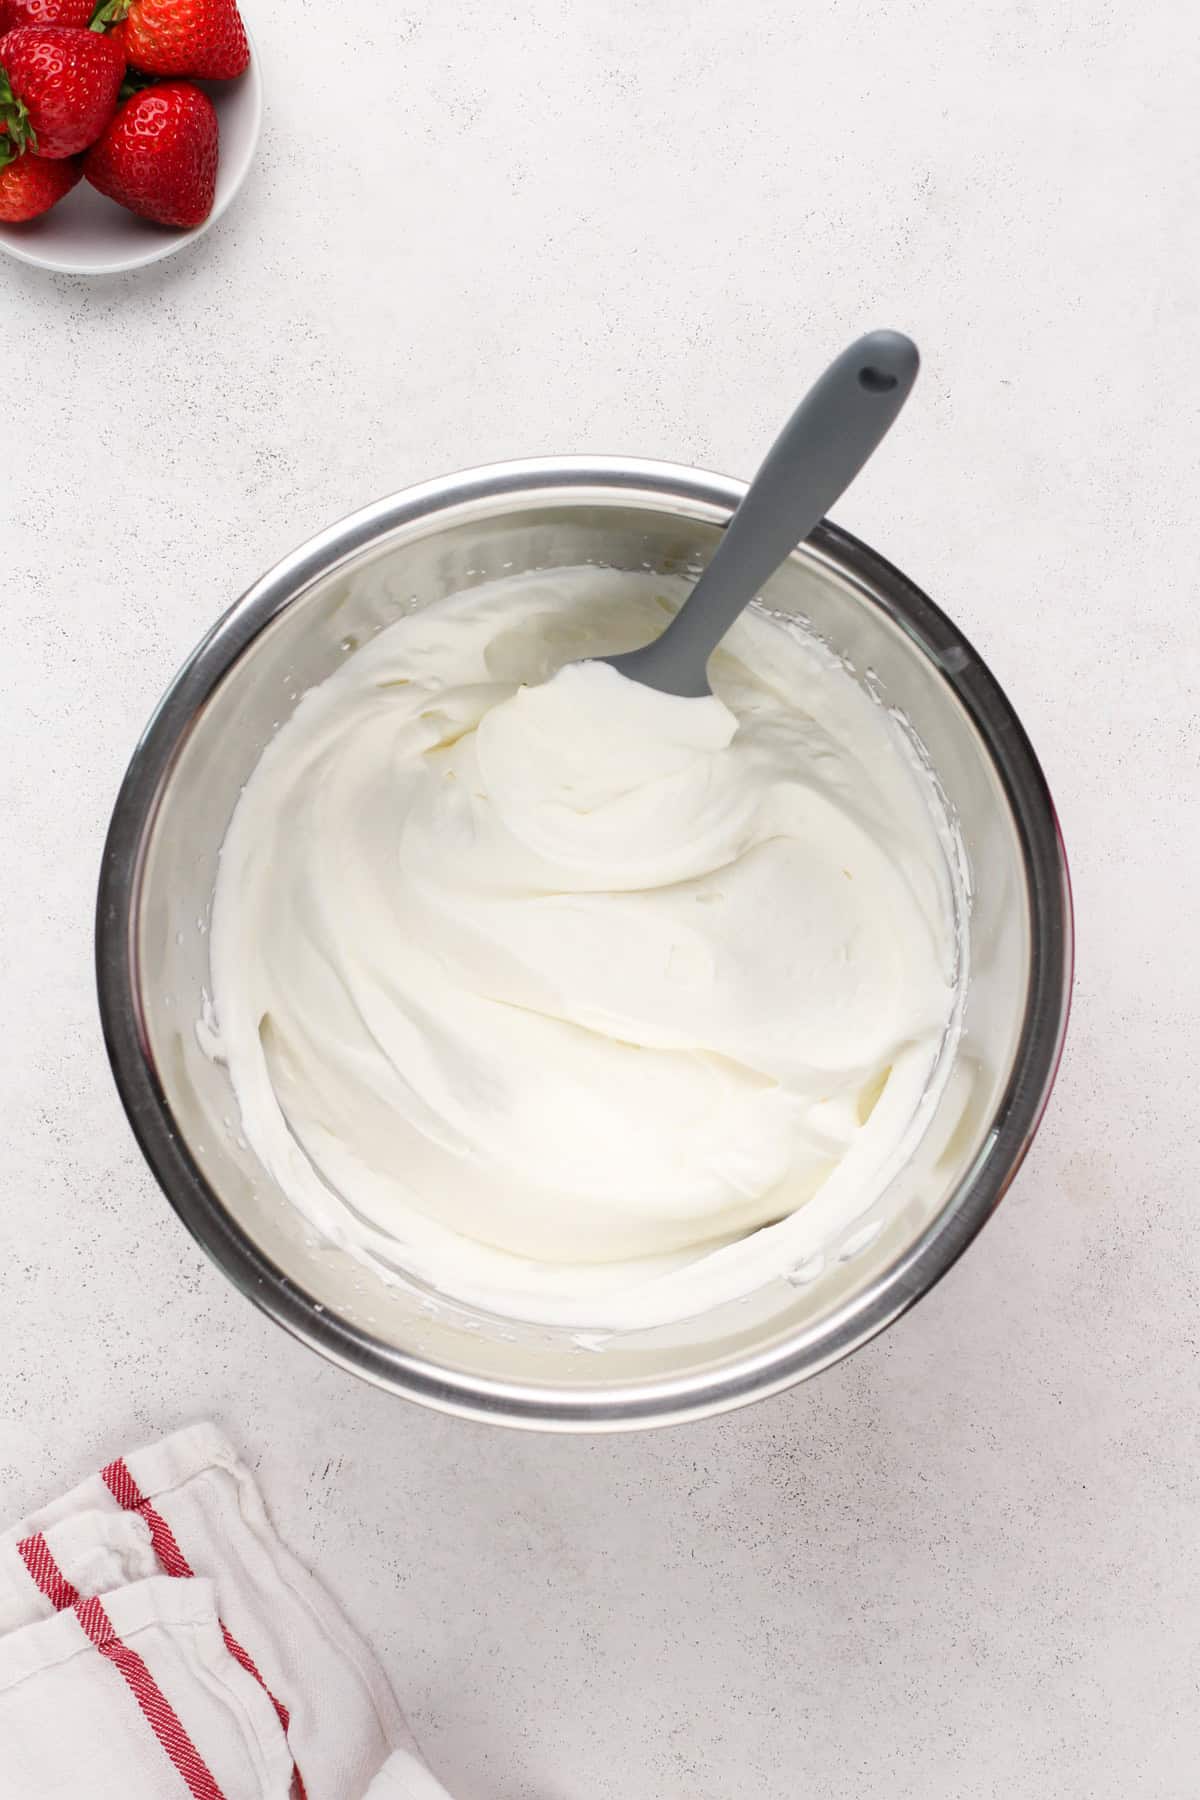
[(158, 1640)]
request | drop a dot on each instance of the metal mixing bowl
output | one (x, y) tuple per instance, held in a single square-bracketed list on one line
[(290, 631)]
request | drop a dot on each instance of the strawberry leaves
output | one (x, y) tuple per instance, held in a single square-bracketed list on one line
[(109, 12), (19, 134)]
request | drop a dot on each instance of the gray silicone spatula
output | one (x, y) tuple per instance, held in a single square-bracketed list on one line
[(832, 433)]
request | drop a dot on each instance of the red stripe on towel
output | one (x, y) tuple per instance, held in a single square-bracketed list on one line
[(129, 1496), (45, 1573), (156, 1709)]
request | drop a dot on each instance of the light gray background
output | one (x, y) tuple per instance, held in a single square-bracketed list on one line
[(966, 1563)]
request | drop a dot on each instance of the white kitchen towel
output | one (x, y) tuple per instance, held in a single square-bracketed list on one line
[(158, 1640), (405, 1777), (96, 1552)]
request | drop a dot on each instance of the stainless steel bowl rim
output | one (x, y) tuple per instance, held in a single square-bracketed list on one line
[(653, 1402)]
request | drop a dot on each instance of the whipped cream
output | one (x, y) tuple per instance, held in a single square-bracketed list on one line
[(553, 991)]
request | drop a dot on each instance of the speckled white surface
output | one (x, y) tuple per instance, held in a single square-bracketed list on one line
[(967, 1563)]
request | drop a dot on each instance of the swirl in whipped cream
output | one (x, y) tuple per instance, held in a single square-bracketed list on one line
[(552, 990)]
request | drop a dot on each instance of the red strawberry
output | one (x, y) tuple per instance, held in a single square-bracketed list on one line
[(159, 155), (180, 37), (31, 185), (45, 12), (58, 87)]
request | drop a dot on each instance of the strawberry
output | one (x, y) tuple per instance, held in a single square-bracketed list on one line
[(58, 87), (159, 155), (31, 185), (203, 38), (46, 12)]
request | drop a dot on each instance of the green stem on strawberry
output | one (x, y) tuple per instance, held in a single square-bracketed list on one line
[(108, 12), (18, 133), (112, 12), (136, 82)]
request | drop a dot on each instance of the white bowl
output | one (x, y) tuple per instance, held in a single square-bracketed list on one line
[(89, 234)]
